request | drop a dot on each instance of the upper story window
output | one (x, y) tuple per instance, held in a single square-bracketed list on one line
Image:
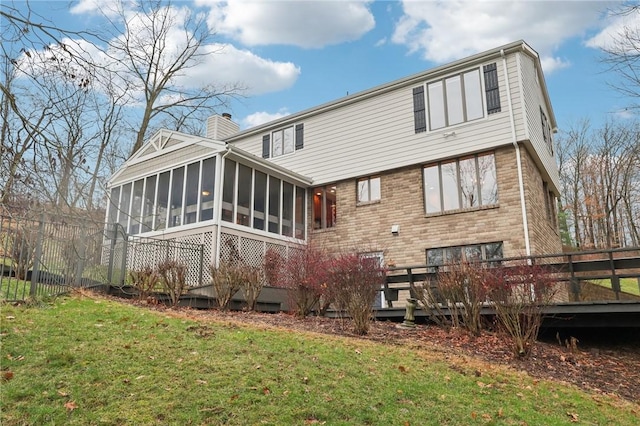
[(546, 131), (460, 184), (368, 189), (456, 99), (283, 141), (324, 207), (550, 205)]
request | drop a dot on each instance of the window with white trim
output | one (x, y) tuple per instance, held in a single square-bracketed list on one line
[(456, 99), (324, 207), (468, 182), (368, 189), (283, 141)]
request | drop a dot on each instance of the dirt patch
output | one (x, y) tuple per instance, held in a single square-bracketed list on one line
[(597, 367)]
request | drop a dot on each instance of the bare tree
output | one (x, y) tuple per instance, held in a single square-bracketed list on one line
[(159, 45), (600, 180), (623, 53)]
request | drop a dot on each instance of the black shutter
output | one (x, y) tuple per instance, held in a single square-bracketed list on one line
[(299, 136), (265, 146), (419, 114), (491, 88)]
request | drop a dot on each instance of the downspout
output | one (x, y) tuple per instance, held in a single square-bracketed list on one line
[(219, 206), (523, 205)]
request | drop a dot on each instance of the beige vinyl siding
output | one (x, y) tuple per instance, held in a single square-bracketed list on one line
[(377, 134), (534, 100), (515, 88)]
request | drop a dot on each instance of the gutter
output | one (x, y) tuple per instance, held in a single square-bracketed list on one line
[(523, 205)]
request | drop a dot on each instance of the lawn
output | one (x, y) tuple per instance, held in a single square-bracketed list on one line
[(83, 360), (627, 285)]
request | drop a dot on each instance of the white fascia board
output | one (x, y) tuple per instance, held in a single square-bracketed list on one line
[(268, 165), (186, 140)]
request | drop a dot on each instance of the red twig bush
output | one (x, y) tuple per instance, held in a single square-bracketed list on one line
[(355, 282), (519, 294)]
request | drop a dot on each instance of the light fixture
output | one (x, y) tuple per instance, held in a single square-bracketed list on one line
[(395, 229), (206, 193)]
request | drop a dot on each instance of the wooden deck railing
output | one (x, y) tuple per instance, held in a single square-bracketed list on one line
[(595, 275)]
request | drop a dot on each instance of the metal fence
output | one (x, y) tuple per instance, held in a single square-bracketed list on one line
[(49, 256), (40, 257)]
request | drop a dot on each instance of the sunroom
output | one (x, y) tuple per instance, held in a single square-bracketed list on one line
[(195, 190)]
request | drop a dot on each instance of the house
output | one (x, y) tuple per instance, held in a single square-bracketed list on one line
[(456, 162)]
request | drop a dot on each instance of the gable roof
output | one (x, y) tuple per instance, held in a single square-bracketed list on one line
[(418, 78)]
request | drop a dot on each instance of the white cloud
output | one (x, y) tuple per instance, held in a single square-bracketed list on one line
[(229, 65), (92, 7), (619, 29), (262, 117), (307, 24), (445, 31), (220, 65)]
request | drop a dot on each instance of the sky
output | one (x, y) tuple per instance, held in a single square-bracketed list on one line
[(294, 55)]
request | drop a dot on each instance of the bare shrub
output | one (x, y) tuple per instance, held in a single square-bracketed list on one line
[(252, 285), (304, 275), (463, 289), (355, 282), (174, 280), (433, 305), (519, 294), (22, 251), (145, 281), (227, 279)]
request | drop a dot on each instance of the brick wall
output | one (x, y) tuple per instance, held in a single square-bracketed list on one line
[(368, 227)]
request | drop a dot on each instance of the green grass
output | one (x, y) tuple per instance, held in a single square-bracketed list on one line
[(627, 285), (14, 289), (84, 361)]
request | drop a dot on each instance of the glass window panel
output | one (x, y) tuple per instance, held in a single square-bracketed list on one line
[(277, 143), (274, 205), (243, 214), (163, 200), (318, 197), (288, 142), (432, 189), (374, 188), (453, 255), (454, 100), (192, 193), (363, 190), (331, 214), (259, 200), (136, 207), (488, 179), (300, 213), (125, 201), (148, 203), (207, 188), (468, 182), (493, 251), (436, 105), (472, 254), (450, 186), (177, 185), (228, 186), (473, 95), (287, 209), (435, 258), (114, 199)]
